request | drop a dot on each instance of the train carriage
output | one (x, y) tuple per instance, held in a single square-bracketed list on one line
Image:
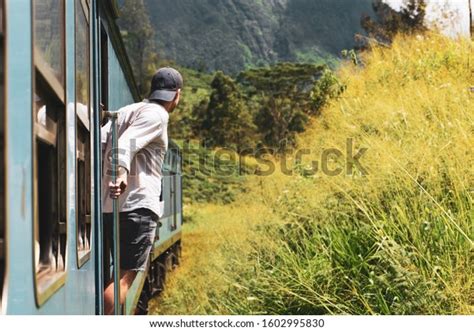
[(60, 60)]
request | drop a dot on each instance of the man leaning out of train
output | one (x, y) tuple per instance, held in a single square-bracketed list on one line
[(142, 145)]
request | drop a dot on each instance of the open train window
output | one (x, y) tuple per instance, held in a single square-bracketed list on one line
[(83, 133), (2, 154), (49, 148)]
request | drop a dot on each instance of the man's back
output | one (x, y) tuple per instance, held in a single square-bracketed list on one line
[(143, 141)]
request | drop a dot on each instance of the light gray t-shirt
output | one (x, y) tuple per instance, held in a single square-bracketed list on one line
[(143, 142)]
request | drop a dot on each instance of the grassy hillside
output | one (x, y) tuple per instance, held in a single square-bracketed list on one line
[(232, 35), (211, 176), (397, 241)]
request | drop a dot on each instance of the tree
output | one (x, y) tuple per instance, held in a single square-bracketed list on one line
[(285, 94), (138, 35), (224, 120), (471, 18), (389, 22), (413, 15)]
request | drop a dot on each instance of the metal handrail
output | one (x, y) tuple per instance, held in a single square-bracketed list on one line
[(116, 213)]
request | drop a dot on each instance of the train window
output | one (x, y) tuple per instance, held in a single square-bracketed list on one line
[(49, 39), (178, 164), (49, 148), (172, 161), (2, 155), (167, 161), (83, 138)]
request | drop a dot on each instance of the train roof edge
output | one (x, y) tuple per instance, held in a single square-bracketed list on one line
[(110, 11)]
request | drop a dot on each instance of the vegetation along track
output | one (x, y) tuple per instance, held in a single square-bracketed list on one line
[(397, 241)]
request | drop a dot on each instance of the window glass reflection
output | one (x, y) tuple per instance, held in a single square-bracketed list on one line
[(82, 56), (49, 36), (83, 166)]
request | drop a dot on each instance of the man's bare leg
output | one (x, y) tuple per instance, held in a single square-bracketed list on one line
[(126, 280)]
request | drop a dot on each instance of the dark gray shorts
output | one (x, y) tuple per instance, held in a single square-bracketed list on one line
[(137, 235)]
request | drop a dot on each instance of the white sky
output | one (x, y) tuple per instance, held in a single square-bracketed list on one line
[(436, 8)]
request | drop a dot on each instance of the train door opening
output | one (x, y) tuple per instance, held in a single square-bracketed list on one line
[(49, 148), (2, 155)]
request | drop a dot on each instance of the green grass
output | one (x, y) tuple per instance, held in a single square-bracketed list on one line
[(211, 176)]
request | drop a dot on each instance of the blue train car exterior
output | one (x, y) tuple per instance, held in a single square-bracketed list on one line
[(62, 59)]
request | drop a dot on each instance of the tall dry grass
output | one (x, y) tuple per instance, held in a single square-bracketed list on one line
[(396, 241)]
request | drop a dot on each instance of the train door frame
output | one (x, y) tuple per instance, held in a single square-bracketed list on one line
[(96, 97), (104, 102), (3, 161), (108, 45)]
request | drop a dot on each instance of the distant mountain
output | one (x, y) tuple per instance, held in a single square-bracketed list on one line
[(231, 35)]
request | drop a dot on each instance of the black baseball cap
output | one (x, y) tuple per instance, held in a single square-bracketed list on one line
[(165, 84)]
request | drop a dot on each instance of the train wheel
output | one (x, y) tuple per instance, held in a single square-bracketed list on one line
[(157, 278), (145, 296), (162, 273), (176, 252), (169, 260)]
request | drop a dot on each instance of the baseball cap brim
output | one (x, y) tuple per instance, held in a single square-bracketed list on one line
[(164, 95)]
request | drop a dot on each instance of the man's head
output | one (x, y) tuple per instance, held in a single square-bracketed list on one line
[(166, 87)]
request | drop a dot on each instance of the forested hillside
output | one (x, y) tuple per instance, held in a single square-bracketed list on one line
[(232, 35)]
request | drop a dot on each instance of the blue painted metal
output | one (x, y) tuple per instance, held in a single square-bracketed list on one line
[(119, 91), (79, 287), (82, 292), (78, 292), (119, 96), (77, 295), (19, 288), (172, 217)]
